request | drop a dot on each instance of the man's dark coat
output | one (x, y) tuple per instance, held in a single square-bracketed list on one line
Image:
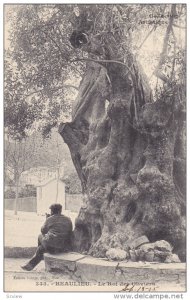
[(56, 232)]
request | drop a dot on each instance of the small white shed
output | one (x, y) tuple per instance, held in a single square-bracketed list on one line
[(49, 192)]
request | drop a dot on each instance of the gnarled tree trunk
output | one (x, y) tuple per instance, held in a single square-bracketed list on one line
[(129, 156)]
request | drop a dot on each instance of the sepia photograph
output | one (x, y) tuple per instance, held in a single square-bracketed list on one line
[(95, 147)]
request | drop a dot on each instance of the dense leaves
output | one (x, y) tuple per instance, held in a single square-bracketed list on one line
[(72, 184), (42, 67), (36, 67)]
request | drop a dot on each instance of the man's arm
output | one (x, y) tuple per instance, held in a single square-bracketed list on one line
[(44, 228)]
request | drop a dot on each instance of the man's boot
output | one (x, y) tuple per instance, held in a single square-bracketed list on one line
[(28, 267), (35, 260)]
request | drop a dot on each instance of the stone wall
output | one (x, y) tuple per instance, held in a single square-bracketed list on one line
[(28, 204), (126, 276), (73, 203)]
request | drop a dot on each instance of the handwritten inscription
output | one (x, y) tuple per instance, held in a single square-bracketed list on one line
[(136, 288)]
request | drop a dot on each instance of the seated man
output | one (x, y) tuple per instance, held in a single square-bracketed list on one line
[(55, 237)]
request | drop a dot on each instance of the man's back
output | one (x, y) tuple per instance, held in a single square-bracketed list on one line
[(56, 236), (57, 230)]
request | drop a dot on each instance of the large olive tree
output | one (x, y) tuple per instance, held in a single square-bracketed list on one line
[(127, 147)]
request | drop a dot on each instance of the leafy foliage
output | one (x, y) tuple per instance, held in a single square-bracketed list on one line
[(9, 194), (40, 60), (28, 191), (36, 67), (19, 114), (72, 184)]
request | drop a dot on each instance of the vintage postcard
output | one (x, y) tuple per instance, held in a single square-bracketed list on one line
[(95, 148)]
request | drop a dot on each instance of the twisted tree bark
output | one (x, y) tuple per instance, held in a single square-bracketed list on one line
[(129, 156)]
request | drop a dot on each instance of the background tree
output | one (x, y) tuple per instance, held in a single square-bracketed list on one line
[(33, 92), (39, 49), (17, 155), (19, 117), (32, 152)]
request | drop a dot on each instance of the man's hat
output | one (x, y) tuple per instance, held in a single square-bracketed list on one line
[(55, 206)]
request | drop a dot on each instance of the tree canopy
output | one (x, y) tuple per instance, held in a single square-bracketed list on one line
[(42, 69)]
